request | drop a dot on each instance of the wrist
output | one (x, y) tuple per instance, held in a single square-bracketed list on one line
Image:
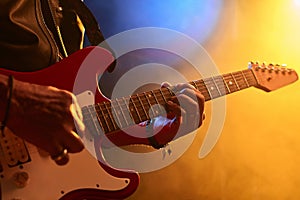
[(161, 131)]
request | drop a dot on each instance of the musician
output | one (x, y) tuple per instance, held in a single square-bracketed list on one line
[(37, 34)]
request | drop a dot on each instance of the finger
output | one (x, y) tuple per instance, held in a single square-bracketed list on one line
[(57, 152), (186, 100), (68, 143), (77, 107), (165, 84), (72, 142), (64, 139), (178, 87), (174, 108), (58, 148), (190, 106), (61, 157), (77, 116), (187, 97), (195, 95), (189, 102)]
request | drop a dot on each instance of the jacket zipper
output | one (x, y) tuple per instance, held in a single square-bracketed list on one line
[(58, 57), (57, 30)]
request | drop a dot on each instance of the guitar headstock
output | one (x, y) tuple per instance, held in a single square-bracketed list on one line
[(271, 77)]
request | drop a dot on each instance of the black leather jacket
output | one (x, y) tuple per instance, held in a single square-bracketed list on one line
[(34, 33)]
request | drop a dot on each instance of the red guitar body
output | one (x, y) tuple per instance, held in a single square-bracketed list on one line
[(77, 73)]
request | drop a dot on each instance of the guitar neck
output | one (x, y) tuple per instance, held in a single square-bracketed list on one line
[(222, 85), (120, 113)]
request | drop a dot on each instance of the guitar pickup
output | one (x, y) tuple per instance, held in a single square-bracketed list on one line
[(14, 149)]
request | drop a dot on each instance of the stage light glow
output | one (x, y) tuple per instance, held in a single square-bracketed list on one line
[(196, 18), (297, 2)]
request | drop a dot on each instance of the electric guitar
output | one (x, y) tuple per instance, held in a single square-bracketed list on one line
[(28, 173)]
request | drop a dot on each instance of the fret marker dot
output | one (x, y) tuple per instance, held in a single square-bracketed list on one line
[(230, 83), (212, 88)]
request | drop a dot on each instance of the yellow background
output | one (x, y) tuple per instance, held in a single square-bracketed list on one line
[(258, 153)]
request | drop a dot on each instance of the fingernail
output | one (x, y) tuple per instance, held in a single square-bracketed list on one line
[(170, 102)]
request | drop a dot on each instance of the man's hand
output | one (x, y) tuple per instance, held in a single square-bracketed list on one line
[(185, 114), (188, 106), (46, 117)]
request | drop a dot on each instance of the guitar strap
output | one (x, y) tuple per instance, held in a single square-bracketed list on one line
[(88, 20), (91, 25)]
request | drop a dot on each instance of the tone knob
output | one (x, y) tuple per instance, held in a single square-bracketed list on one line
[(20, 179)]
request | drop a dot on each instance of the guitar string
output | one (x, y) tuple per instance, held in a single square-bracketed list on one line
[(241, 79)]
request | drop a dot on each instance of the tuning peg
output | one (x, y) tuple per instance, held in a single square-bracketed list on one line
[(290, 71), (258, 65), (250, 65), (255, 65)]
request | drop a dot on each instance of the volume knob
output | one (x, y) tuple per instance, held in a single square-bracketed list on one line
[(20, 179)]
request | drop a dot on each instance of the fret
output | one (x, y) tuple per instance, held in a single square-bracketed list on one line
[(86, 116), (216, 86), (134, 112), (122, 115), (95, 121), (136, 115), (219, 82), (244, 77), (144, 104), (235, 81), (117, 111), (137, 106), (131, 115), (110, 115), (240, 80), (230, 83), (161, 100), (148, 96), (162, 94), (159, 110), (193, 83), (225, 83), (203, 89), (250, 77), (212, 88), (144, 110), (168, 93), (102, 114), (155, 98)]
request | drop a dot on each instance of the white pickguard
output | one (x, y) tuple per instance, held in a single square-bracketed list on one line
[(49, 181)]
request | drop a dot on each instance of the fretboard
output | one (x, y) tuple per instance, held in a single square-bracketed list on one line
[(221, 85), (124, 112)]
